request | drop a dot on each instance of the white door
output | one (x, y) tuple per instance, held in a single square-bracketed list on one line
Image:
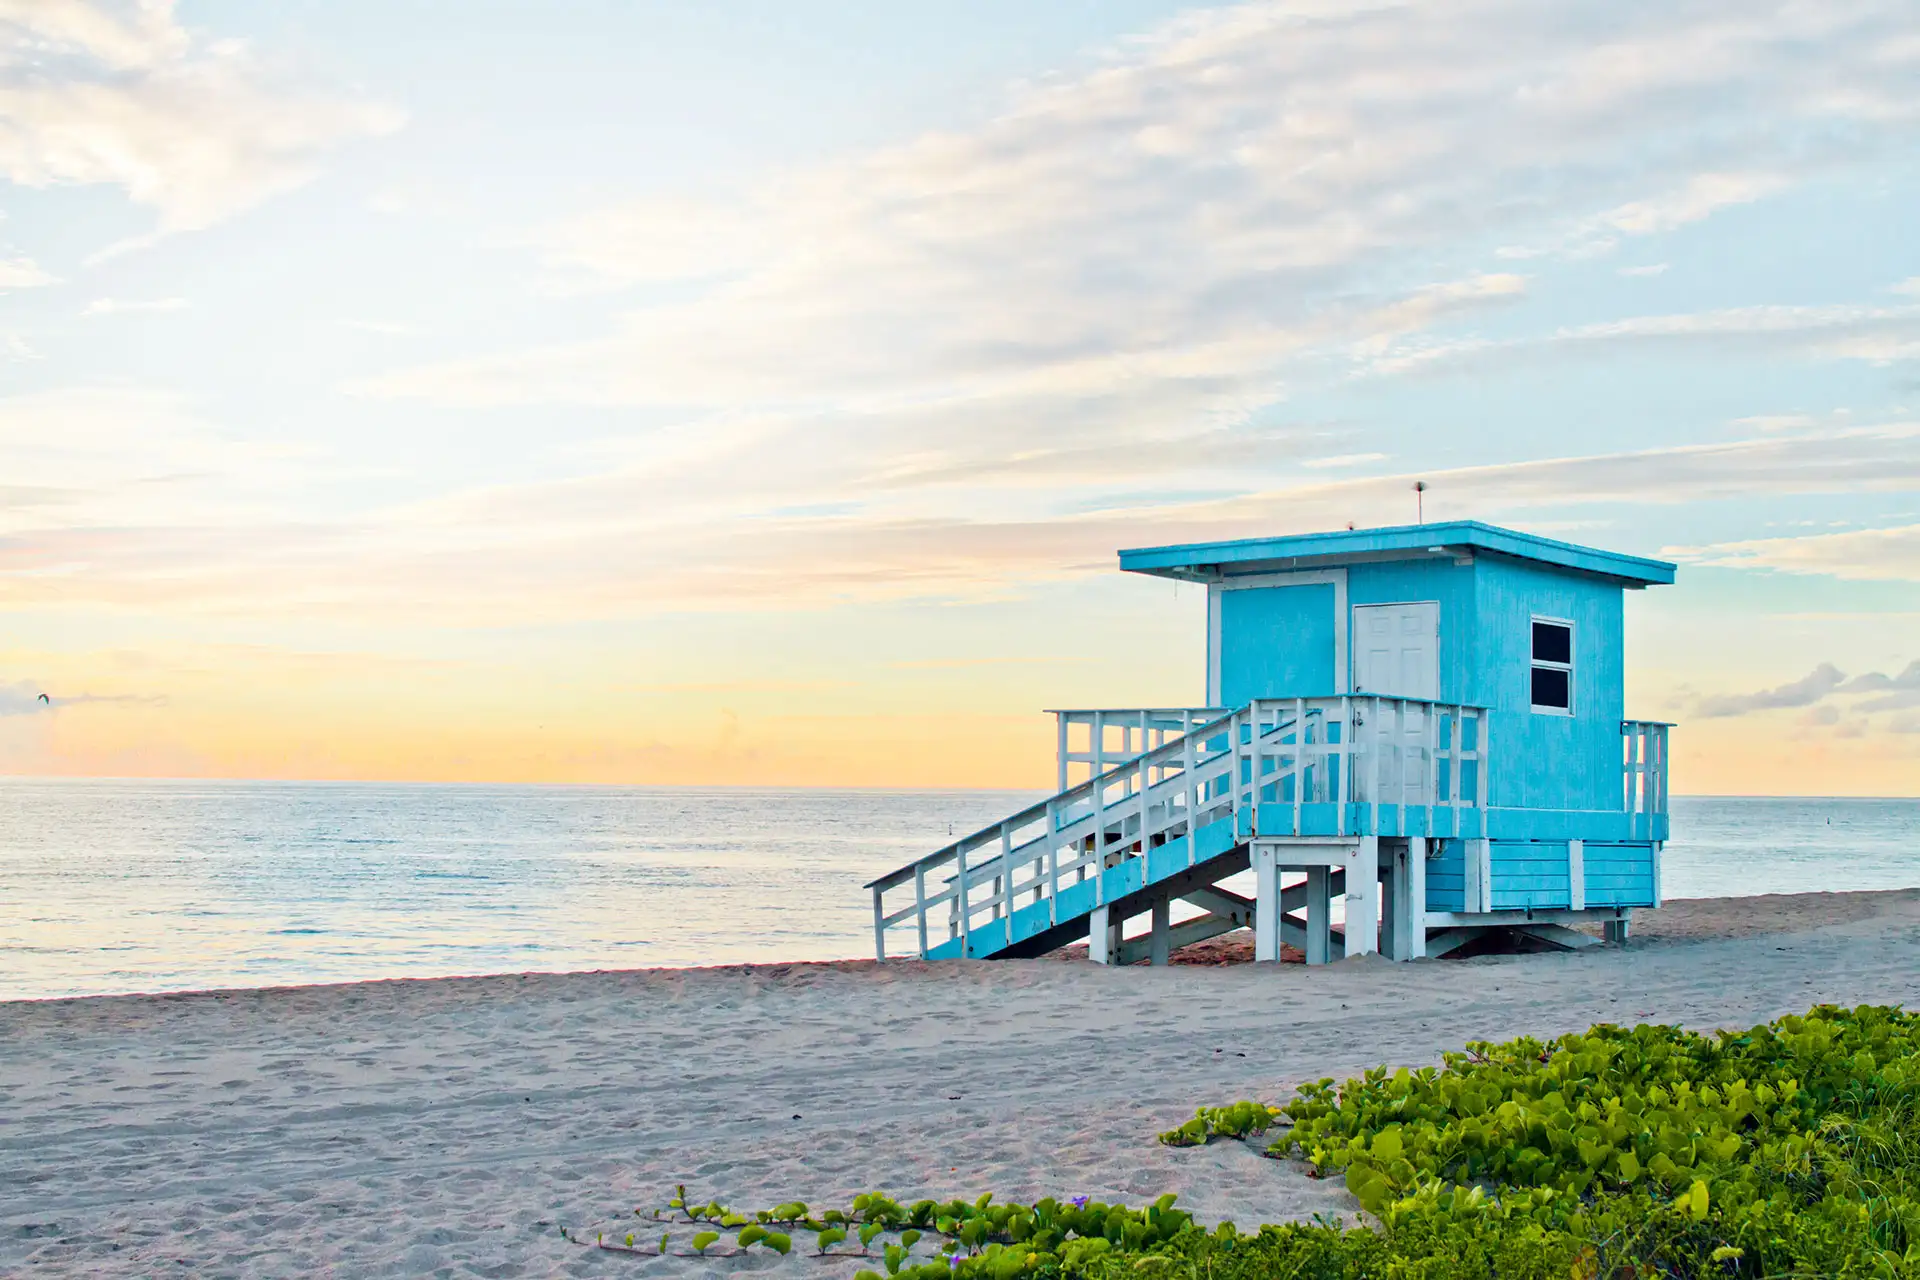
[(1396, 654), (1396, 650)]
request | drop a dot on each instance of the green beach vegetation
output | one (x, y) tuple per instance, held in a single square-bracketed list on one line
[(1789, 1150)]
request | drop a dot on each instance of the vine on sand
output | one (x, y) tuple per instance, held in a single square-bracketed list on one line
[(1789, 1150)]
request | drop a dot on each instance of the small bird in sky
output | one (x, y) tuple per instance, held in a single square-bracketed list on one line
[(44, 698)]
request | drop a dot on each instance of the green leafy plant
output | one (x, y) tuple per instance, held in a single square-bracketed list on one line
[(1235, 1121), (1792, 1149)]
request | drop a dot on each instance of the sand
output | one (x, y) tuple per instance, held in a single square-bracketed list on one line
[(449, 1127)]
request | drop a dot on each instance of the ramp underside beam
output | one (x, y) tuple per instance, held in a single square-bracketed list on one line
[(1227, 911)]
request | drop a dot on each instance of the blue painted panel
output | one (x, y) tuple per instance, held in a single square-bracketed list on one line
[(1323, 820), (1276, 642), (1550, 761), (1619, 875), (1558, 824), (1447, 878), (1529, 874)]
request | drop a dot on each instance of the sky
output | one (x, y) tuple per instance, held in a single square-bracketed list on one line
[(757, 393)]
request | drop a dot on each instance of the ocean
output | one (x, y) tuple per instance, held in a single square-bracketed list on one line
[(110, 887)]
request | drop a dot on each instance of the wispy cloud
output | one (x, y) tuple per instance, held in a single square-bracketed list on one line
[(1343, 460), (124, 95), (1219, 200), (1697, 199), (1650, 269), (1817, 690), (1856, 554), (1804, 692), (118, 306), (24, 273), (1844, 331)]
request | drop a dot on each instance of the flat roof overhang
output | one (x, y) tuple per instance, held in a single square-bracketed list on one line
[(1460, 539)]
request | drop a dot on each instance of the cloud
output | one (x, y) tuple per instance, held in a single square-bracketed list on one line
[(118, 306), (1813, 690), (1700, 197), (191, 522), (125, 95), (1804, 692), (1112, 282), (1237, 193), (27, 699), (1651, 269), (1343, 460), (1847, 331), (1891, 554), (1874, 682), (23, 273), (986, 358)]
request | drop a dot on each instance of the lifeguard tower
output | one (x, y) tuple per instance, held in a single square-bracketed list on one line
[(1423, 725)]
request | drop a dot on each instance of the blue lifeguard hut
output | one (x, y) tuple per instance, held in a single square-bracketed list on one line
[(1420, 730)]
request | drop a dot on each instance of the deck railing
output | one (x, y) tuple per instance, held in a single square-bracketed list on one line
[(1392, 755), (1138, 729), (1644, 773)]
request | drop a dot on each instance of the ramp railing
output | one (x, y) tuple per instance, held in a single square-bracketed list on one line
[(1387, 756), (1087, 746)]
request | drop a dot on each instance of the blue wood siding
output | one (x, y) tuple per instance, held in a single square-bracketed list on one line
[(1439, 579), (1619, 875), (1530, 873), (1447, 878), (1549, 761), (1276, 642)]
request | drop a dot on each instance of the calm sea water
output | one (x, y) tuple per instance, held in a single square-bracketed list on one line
[(111, 886)]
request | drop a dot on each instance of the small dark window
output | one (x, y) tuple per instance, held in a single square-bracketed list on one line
[(1553, 642), (1550, 672)]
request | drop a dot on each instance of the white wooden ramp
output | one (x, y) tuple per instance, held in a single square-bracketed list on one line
[(1295, 790)]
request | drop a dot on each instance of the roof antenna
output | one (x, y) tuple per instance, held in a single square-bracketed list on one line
[(1420, 501)]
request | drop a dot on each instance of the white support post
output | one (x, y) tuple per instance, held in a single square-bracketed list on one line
[(1187, 765), (920, 903), (1376, 749), (1483, 750), (1053, 864), (966, 934), (1299, 761), (1431, 766), (1479, 875), (1349, 759), (1363, 897), (1099, 743), (1319, 903), (1577, 875), (1400, 759), (1099, 937), (879, 929), (1266, 906), (1061, 718), (1636, 782), (1456, 745), (1410, 926), (1158, 947), (1006, 876)]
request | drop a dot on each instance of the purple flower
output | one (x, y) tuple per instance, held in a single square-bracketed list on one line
[(1079, 1202)]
